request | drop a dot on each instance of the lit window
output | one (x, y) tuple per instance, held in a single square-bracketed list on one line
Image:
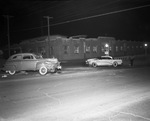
[(116, 48), (95, 49), (121, 48), (66, 47), (110, 48), (76, 49), (87, 48)]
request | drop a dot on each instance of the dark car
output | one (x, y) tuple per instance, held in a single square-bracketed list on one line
[(30, 61)]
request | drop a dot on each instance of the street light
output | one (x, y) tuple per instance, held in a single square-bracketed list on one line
[(145, 46), (48, 26), (106, 45), (107, 49)]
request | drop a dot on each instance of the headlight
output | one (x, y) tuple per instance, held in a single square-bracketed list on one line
[(59, 67), (87, 62)]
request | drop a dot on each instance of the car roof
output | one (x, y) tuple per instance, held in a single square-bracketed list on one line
[(20, 54), (23, 54)]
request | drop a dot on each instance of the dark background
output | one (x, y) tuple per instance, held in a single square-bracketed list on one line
[(122, 19)]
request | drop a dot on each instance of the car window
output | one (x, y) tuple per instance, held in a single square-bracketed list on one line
[(38, 56), (27, 57), (17, 57), (31, 57), (108, 58), (103, 58)]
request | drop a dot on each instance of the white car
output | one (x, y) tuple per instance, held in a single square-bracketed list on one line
[(104, 61)]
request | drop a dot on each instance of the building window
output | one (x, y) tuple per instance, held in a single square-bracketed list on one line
[(121, 48), (76, 49), (95, 49), (116, 48), (102, 48), (41, 50), (110, 48), (66, 47), (87, 48)]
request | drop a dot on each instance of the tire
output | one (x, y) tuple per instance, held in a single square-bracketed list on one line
[(94, 64), (11, 72), (43, 70), (115, 64)]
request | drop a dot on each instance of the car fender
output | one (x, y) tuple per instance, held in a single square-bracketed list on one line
[(9, 68), (48, 65), (118, 61), (39, 64)]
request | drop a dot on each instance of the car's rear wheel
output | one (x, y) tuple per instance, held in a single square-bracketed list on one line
[(94, 64), (12, 72), (115, 64), (43, 70)]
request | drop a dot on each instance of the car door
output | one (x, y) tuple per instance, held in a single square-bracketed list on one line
[(107, 61), (100, 61), (28, 62), (104, 61)]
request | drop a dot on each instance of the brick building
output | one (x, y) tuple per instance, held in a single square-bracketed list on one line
[(81, 48)]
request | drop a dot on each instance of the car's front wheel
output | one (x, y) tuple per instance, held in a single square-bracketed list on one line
[(43, 70), (11, 72), (94, 64), (115, 64)]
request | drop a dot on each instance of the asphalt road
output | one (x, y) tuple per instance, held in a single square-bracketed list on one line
[(77, 94)]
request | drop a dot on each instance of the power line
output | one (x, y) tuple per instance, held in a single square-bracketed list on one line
[(99, 15), (89, 17)]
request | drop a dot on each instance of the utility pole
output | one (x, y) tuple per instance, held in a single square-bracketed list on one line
[(8, 32), (48, 26)]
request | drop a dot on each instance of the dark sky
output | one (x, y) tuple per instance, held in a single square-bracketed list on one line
[(122, 19)]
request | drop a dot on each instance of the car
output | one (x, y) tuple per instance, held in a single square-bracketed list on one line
[(31, 62), (104, 61)]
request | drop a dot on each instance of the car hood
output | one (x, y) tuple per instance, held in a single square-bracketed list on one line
[(91, 59), (55, 60)]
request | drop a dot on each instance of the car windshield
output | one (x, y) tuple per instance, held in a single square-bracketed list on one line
[(38, 57), (106, 57)]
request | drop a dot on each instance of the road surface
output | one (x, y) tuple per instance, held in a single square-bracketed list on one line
[(85, 94)]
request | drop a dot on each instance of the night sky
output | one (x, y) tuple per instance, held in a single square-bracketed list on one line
[(122, 19)]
